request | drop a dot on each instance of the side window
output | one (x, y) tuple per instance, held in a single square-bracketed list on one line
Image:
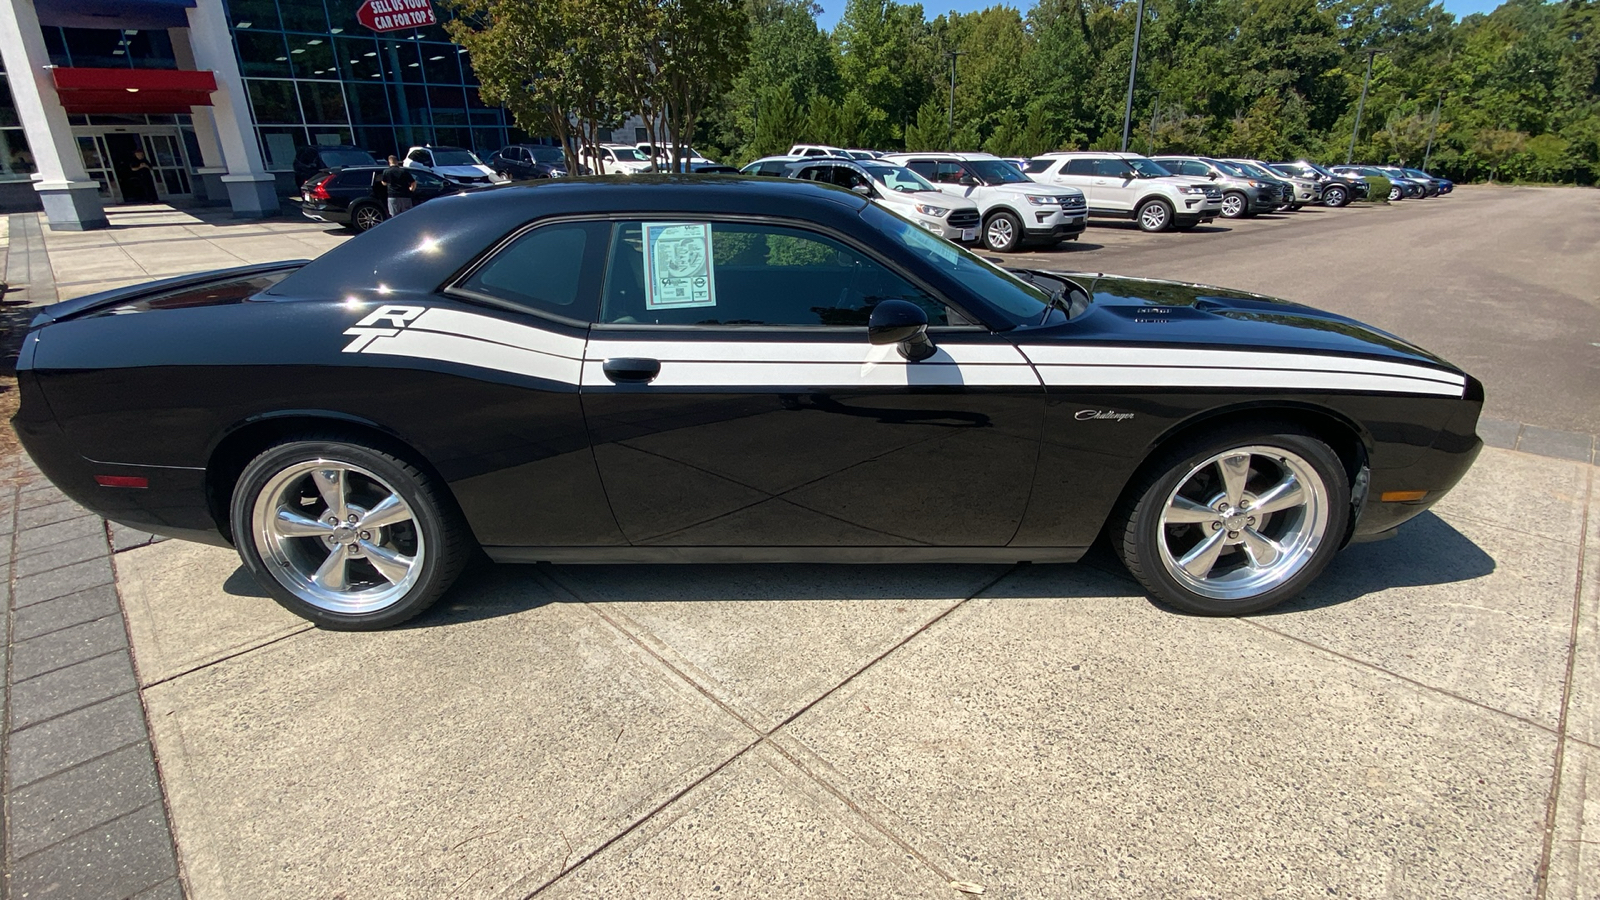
[(428, 180), (923, 167), (948, 173), (1110, 168), (1035, 166), (733, 273), (419, 155), (552, 269), (811, 173), (1080, 166)]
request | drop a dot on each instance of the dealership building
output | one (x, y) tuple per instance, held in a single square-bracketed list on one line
[(219, 95)]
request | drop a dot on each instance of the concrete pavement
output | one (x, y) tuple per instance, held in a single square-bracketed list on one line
[(1041, 731)]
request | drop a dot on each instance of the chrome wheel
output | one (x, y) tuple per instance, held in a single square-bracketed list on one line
[(1001, 234), (1232, 206), (1243, 522), (337, 536), (1333, 197), (368, 217), (1154, 216), (1395, 193)]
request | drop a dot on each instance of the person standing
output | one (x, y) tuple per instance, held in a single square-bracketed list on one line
[(399, 184), (142, 180)]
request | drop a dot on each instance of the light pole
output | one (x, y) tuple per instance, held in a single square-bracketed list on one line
[(1361, 105), (950, 125), (1433, 128), (1133, 70)]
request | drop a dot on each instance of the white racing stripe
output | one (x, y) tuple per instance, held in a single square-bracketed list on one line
[(499, 331), (808, 375), (1183, 357), (796, 351), (454, 348), (1245, 379)]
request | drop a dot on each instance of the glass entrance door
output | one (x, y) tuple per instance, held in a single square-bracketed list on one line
[(108, 158)]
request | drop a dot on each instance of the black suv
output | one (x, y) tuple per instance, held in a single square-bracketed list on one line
[(519, 162), (354, 197), (1337, 190), (311, 160)]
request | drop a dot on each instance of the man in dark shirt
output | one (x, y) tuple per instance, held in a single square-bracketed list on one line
[(399, 184)]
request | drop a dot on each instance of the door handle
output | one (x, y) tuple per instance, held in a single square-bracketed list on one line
[(631, 370)]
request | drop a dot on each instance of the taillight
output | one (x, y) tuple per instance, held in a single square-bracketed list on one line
[(320, 189)]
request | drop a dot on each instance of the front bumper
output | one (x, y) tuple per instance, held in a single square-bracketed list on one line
[(1055, 222), (952, 233), (1199, 207)]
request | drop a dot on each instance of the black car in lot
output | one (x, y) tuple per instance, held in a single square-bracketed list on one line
[(311, 160), (721, 368), (525, 162), (355, 198)]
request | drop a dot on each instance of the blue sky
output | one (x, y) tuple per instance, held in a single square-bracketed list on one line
[(831, 9)]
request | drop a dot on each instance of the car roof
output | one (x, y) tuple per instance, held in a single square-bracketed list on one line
[(1101, 154), (944, 154)]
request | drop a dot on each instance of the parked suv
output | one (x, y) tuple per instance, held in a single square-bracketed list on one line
[(1242, 194), (620, 159), (1297, 191), (818, 150), (1129, 186), (1015, 210), (1398, 189), (899, 189), (355, 198), (1337, 190), (311, 160), (456, 164), (521, 162)]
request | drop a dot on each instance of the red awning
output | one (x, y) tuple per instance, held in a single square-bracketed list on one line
[(133, 90)]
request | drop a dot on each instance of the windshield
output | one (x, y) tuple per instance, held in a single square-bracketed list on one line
[(897, 178), (547, 155), (1415, 173), (1230, 169), (1024, 303), (628, 153), (1147, 168), (997, 171), (336, 158), (456, 158), (1253, 170)]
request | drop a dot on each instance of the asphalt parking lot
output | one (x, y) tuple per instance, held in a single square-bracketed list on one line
[(1423, 723)]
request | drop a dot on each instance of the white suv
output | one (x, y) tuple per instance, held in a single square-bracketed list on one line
[(1014, 209), (818, 150), (1129, 186), (455, 164), (619, 159), (900, 189)]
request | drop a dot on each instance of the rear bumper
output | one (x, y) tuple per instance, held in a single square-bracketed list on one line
[(319, 212)]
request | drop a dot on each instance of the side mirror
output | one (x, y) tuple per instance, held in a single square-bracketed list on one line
[(1213, 176), (863, 190), (968, 181), (901, 322)]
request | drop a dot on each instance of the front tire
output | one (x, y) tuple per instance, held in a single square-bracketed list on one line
[(1155, 215), (1003, 232), (345, 535), (1334, 197), (1395, 194), (1234, 522), (1234, 205)]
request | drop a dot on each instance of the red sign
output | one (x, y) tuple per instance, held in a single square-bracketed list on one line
[(393, 15)]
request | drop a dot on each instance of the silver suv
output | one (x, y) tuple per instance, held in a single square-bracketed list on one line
[(1243, 194), (899, 189), (1015, 210), (1129, 186)]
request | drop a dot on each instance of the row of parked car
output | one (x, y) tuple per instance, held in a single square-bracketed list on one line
[(970, 198)]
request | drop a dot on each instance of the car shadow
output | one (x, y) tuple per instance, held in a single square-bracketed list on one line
[(1426, 551), (1077, 246)]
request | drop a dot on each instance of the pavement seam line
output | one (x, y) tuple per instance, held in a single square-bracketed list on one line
[(764, 737), (68, 712), (165, 800), (1542, 873), (1421, 685), (5, 721), (85, 831), (308, 626), (64, 628), (68, 665)]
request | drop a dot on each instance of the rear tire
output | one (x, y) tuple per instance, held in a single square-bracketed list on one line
[(1003, 232), (1154, 216), (366, 216), (1192, 529), (345, 535)]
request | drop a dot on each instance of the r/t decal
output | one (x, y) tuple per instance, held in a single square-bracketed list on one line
[(365, 331)]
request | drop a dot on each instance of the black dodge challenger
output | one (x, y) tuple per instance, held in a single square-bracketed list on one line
[(691, 369)]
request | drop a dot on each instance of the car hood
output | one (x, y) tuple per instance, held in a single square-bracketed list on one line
[(951, 202), (1035, 188), (1145, 311), (464, 171)]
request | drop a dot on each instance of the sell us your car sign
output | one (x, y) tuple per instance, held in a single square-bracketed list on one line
[(394, 15)]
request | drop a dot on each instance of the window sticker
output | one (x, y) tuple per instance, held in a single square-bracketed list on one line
[(678, 268)]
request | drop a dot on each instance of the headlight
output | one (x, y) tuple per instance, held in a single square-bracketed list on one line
[(1253, 183), (1038, 200), (1191, 189), (937, 212)]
